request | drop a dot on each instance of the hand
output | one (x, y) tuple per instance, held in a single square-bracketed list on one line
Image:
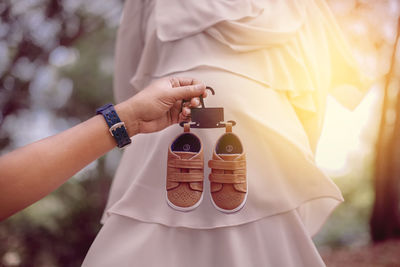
[(159, 104)]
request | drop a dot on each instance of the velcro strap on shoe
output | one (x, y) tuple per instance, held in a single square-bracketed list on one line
[(225, 178), (185, 177), (227, 164), (186, 163)]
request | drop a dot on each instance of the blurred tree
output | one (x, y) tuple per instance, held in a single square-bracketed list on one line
[(30, 32), (52, 50), (385, 219), (371, 28)]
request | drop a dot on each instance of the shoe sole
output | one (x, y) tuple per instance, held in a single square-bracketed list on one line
[(184, 209)]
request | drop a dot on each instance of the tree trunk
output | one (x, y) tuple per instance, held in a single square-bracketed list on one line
[(385, 219)]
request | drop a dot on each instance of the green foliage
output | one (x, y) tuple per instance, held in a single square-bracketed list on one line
[(59, 229), (90, 74), (349, 223)]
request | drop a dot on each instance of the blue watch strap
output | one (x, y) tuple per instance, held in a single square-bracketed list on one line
[(117, 128)]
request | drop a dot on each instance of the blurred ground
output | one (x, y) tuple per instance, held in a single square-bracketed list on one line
[(385, 254)]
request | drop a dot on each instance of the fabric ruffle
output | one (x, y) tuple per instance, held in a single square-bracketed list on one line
[(299, 51), (178, 19), (263, 31)]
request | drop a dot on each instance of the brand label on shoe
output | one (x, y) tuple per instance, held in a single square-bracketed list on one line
[(186, 147), (229, 148)]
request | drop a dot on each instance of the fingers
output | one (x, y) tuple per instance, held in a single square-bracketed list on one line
[(183, 81), (187, 82), (195, 101), (205, 94), (177, 116), (187, 113), (175, 112), (183, 118), (187, 88), (187, 110), (188, 91)]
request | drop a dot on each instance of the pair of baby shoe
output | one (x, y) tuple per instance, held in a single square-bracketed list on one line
[(185, 172)]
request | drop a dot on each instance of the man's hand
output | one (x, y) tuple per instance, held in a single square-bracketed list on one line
[(159, 104)]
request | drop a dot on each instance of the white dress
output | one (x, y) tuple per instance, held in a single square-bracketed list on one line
[(272, 64)]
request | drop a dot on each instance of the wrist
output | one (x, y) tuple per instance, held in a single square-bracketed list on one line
[(129, 115)]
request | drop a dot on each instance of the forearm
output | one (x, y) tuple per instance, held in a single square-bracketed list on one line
[(31, 172)]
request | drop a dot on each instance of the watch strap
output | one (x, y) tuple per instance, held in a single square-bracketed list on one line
[(116, 126)]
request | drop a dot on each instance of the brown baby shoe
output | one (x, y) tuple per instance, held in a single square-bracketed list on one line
[(185, 171), (228, 173)]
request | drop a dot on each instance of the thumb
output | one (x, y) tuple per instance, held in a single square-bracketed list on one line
[(189, 91)]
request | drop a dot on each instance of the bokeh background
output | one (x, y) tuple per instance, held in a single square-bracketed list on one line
[(56, 67)]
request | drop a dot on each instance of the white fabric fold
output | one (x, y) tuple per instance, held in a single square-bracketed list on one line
[(279, 240), (177, 19), (262, 31)]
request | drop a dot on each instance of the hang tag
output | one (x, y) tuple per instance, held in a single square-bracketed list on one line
[(208, 117)]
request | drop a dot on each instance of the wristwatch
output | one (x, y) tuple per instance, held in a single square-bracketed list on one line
[(117, 127)]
